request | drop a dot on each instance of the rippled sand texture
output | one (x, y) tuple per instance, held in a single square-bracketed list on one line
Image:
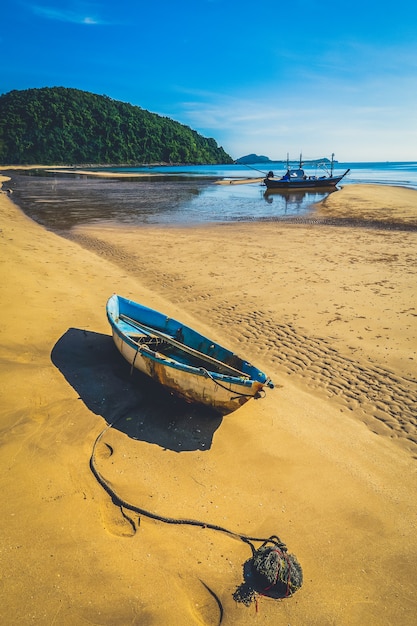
[(326, 460), (332, 306)]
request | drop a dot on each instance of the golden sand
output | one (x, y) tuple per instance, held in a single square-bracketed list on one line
[(327, 460)]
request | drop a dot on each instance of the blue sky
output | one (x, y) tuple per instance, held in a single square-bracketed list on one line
[(263, 77)]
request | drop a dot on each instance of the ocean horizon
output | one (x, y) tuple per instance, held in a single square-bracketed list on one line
[(402, 173)]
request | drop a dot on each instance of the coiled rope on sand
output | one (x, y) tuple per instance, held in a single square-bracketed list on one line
[(271, 571)]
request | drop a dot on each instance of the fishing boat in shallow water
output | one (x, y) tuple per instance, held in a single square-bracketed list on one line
[(298, 179), (187, 363)]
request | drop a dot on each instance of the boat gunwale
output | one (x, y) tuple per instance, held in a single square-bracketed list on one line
[(303, 183), (169, 362)]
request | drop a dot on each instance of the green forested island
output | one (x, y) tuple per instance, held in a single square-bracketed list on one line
[(59, 125)]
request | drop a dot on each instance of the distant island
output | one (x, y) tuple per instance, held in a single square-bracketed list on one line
[(252, 158), (59, 125), (256, 158)]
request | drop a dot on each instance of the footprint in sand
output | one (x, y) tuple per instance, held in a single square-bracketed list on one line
[(206, 606), (115, 520)]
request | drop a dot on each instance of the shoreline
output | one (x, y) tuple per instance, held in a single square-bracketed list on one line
[(326, 460), (65, 169), (331, 336)]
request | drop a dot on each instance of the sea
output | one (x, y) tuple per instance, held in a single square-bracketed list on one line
[(181, 195)]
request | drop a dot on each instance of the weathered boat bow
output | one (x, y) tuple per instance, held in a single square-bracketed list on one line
[(187, 363)]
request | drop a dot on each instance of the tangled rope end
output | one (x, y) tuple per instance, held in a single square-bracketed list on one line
[(271, 572)]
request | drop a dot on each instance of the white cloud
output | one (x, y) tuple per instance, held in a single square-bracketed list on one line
[(80, 14), (372, 129)]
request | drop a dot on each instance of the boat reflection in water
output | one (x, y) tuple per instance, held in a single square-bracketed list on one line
[(295, 202)]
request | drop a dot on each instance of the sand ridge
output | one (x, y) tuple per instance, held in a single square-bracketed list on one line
[(337, 314), (305, 462)]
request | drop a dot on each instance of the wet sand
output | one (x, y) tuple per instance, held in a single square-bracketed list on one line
[(327, 460), (64, 169)]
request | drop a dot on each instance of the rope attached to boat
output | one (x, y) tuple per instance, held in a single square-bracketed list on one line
[(271, 571), (132, 367), (259, 394)]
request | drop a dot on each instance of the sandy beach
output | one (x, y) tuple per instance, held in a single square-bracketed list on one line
[(326, 461)]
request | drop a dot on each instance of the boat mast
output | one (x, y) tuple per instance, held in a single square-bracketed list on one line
[(331, 167)]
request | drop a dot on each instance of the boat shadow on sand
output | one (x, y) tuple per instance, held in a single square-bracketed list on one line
[(131, 401)]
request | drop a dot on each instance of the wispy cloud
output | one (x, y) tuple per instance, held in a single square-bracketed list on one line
[(275, 125), (80, 13)]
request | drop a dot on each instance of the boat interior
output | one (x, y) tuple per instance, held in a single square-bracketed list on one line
[(165, 349)]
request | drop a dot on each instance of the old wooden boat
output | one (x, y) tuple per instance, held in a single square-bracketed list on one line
[(298, 179), (187, 363)]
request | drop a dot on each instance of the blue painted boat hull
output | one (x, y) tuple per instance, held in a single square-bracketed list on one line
[(187, 363), (296, 179)]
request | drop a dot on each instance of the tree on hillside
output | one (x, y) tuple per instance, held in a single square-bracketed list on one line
[(59, 125)]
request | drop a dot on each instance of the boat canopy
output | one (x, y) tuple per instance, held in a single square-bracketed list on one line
[(296, 173)]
